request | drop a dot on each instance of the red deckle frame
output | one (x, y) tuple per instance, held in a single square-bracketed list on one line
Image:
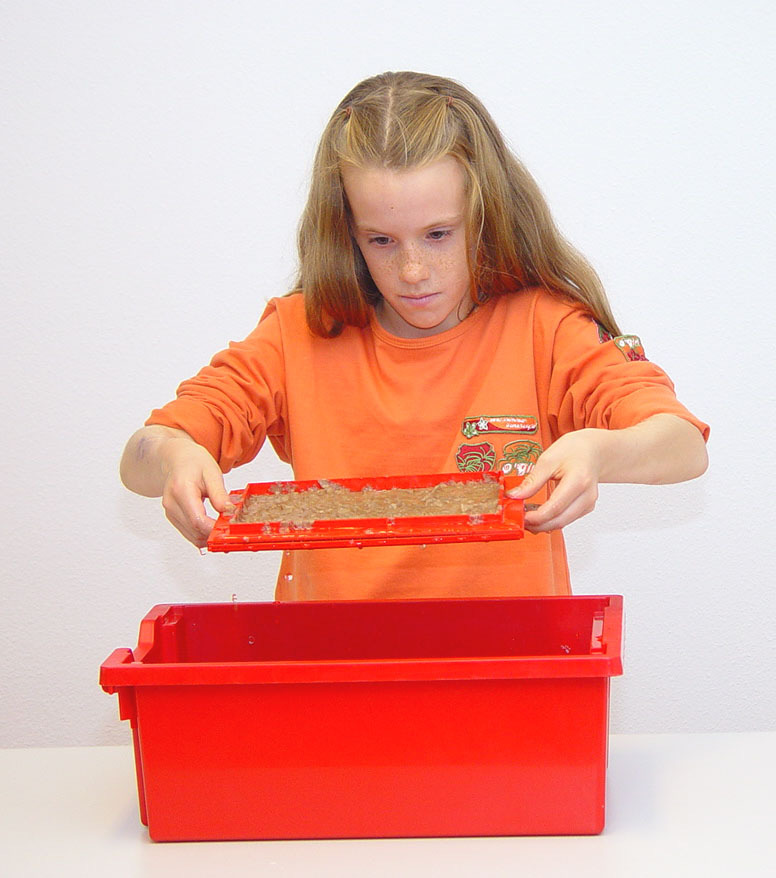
[(507, 524)]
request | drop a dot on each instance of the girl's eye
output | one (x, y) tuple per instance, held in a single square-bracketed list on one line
[(380, 240), (439, 234)]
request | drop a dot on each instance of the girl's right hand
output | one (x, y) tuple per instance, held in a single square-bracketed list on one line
[(191, 476), (164, 462)]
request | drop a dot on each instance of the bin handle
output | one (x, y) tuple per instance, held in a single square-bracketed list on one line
[(118, 657)]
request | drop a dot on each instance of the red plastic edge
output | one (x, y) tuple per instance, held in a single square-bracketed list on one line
[(118, 670)]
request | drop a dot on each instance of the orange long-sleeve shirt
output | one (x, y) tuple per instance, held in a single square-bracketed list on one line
[(490, 393)]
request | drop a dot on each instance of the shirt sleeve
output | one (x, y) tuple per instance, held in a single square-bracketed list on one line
[(602, 381), (234, 403)]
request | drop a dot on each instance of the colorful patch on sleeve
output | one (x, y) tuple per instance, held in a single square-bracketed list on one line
[(630, 346), (519, 457), (603, 333), (499, 424), (475, 458)]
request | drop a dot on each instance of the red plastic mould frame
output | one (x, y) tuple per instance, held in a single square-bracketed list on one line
[(507, 524)]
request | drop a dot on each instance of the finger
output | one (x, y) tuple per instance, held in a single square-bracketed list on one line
[(564, 494), (196, 528), (553, 516), (193, 535), (193, 511), (185, 509), (568, 487)]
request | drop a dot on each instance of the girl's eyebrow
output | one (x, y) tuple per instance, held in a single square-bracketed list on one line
[(447, 221)]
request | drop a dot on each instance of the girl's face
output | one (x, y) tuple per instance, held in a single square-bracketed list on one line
[(410, 228)]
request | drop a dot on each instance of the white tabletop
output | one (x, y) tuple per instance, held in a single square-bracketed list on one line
[(678, 805)]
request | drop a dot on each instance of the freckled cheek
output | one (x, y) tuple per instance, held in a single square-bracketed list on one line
[(376, 264), (452, 268), (386, 266)]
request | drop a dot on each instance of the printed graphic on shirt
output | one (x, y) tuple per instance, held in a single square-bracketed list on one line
[(475, 458), (630, 347), (519, 457), (499, 424)]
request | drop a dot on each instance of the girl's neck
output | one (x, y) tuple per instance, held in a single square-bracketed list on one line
[(391, 322)]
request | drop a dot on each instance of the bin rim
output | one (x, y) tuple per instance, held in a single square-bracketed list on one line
[(125, 668)]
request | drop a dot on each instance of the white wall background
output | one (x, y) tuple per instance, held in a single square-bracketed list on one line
[(153, 165)]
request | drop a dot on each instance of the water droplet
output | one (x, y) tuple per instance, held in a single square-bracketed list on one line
[(423, 546), (251, 640), (288, 577)]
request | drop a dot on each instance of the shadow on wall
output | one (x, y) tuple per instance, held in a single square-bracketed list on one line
[(187, 575), (649, 508), (641, 528)]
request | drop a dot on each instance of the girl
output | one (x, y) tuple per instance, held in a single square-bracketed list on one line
[(440, 323)]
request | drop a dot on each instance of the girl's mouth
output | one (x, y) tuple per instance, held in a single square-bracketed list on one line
[(420, 301)]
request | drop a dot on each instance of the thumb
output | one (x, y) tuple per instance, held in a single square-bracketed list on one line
[(217, 493), (532, 483)]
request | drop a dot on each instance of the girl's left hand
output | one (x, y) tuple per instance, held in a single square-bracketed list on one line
[(573, 462), (660, 450)]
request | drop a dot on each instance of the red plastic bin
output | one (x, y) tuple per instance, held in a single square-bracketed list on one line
[(371, 719)]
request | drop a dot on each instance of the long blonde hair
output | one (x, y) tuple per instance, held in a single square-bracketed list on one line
[(407, 120)]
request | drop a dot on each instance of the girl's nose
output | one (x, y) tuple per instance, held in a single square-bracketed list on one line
[(413, 268)]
